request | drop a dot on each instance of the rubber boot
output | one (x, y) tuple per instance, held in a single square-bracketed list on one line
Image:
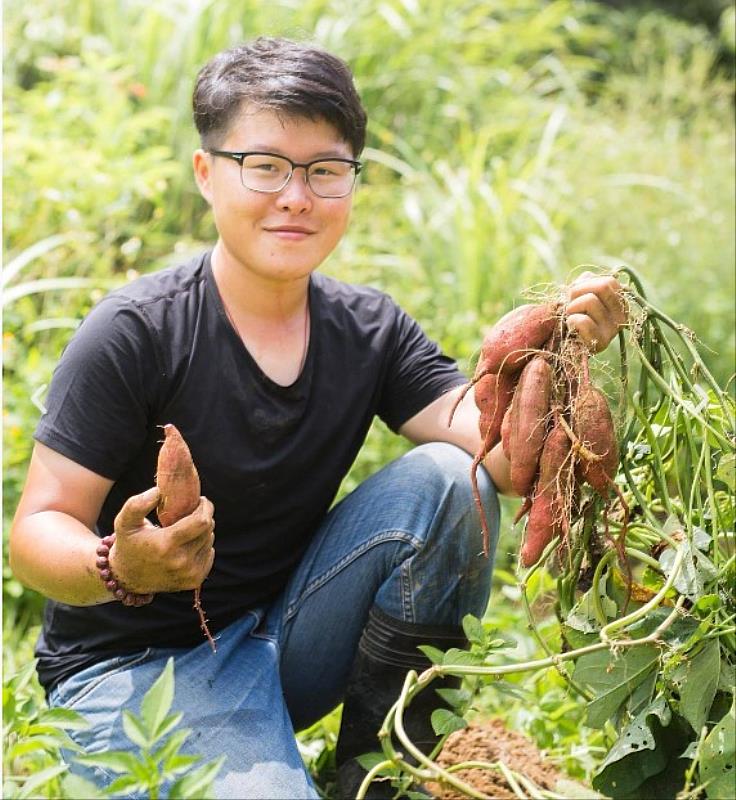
[(386, 652)]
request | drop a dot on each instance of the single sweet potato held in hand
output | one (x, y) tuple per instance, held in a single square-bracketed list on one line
[(512, 340), (176, 478), (178, 482), (593, 424), (529, 411)]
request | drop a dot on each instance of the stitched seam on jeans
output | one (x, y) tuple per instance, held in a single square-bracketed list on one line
[(85, 690), (317, 583), (407, 600)]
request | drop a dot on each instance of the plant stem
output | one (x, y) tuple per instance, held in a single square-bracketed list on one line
[(637, 614)]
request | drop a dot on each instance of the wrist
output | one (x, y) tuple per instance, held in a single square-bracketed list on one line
[(110, 579)]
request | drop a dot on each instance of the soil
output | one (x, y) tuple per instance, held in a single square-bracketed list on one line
[(492, 741)]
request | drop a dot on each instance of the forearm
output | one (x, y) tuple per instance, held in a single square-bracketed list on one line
[(499, 468), (54, 554)]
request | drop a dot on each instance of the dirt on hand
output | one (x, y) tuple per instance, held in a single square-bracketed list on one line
[(491, 741)]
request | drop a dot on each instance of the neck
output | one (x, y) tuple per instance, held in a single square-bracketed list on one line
[(250, 296)]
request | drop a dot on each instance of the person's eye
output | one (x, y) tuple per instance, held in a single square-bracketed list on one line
[(330, 168)]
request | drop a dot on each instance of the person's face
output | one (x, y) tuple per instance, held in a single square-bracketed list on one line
[(283, 235)]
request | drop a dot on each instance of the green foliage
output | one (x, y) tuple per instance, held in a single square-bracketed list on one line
[(34, 735), (32, 738), (160, 759)]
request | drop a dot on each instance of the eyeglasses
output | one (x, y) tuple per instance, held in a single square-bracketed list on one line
[(267, 172)]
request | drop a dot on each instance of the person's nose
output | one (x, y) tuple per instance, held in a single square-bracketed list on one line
[(296, 196)]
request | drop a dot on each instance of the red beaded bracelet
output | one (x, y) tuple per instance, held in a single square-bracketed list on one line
[(126, 597)]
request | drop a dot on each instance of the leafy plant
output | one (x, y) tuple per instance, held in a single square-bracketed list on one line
[(159, 761), (35, 735), (644, 589), (32, 738)]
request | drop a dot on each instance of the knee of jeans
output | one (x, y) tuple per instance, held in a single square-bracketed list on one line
[(446, 468)]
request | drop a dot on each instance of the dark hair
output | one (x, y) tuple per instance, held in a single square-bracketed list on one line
[(287, 77)]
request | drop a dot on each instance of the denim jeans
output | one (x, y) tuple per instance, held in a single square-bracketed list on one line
[(407, 539)]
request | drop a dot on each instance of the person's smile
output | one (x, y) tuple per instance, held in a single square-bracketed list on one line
[(290, 233)]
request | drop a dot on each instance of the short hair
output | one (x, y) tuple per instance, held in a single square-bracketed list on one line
[(287, 77)]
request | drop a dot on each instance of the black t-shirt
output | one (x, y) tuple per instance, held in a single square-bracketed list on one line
[(270, 458)]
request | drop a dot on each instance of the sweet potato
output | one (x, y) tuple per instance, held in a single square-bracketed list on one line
[(529, 411), (593, 424), (549, 504), (506, 433), (511, 342), (176, 478), (179, 485), (493, 394), (541, 526)]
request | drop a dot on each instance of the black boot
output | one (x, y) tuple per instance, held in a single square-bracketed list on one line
[(386, 652)]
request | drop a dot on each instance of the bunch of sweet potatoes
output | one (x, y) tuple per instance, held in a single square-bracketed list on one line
[(533, 391)]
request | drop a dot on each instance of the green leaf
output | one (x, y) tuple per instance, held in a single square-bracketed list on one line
[(157, 701), (582, 616), (197, 785), (370, 760), (167, 725), (726, 471), (171, 746), (473, 628), (718, 758), (126, 785), (35, 782), (613, 678), (434, 654), (75, 787), (178, 763), (445, 721), (727, 678), (699, 684), (135, 730), (456, 657), (116, 761), (696, 571), (511, 689), (455, 697), (48, 744), (63, 718), (645, 761)]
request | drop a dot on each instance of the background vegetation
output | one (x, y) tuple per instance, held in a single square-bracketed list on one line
[(509, 143)]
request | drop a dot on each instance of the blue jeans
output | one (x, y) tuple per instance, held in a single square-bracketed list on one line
[(407, 539)]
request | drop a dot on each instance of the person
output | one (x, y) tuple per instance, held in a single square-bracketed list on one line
[(273, 373)]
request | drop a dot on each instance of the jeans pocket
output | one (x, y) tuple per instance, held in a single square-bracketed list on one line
[(72, 691)]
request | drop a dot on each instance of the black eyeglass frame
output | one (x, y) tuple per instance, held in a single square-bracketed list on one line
[(240, 157)]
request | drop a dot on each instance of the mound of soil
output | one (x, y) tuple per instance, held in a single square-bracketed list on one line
[(492, 741)]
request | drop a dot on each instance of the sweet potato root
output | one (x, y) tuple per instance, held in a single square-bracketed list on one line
[(529, 411), (493, 394), (506, 433), (550, 503), (512, 340), (593, 426)]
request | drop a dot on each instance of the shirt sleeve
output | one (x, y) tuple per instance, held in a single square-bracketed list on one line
[(418, 373), (104, 390)]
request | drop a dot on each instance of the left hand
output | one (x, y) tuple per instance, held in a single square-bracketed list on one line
[(595, 309)]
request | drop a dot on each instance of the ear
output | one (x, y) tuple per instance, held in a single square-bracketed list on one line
[(203, 173)]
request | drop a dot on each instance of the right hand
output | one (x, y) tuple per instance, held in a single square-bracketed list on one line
[(148, 559)]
